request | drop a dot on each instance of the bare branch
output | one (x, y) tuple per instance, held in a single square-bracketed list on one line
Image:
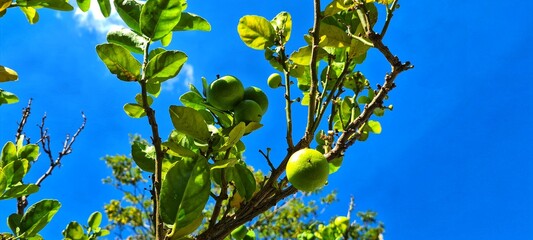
[(67, 147), (25, 114)]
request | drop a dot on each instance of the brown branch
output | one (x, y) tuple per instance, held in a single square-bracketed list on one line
[(25, 115), (66, 150), (313, 90), (156, 141)]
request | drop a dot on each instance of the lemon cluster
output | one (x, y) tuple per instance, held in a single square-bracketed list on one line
[(228, 94)]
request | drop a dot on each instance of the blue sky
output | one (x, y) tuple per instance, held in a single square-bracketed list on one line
[(453, 160)]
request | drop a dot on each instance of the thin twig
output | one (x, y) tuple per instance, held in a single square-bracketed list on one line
[(25, 114), (67, 147), (313, 90), (348, 215), (267, 157), (390, 14)]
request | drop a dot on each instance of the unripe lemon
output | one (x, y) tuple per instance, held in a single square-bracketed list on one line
[(225, 92), (274, 80), (342, 222), (258, 96), (248, 111), (307, 170)]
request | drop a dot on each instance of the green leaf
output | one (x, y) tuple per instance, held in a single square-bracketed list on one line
[(19, 191), (7, 97), (219, 164), (190, 21), (60, 5), (185, 191), (134, 110), (16, 170), (243, 179), (9, 154), (143, 155), (165, 65), (73, 231), (375, 126), (105, 7), (8, 74), (4, 4), (283, 23), (193, 100), (252, 126), (178, 233), (364, 100), (159, 17), (13, 221), (305, 99), (234, 136), (256, 32), (130, 12), (190, 122), (84, 5), (333, 36), (153, 88), (302, 56), (37, 216), (119, 61), (335, 165), (334, 7), (127, 39), (94, 220), (180, 144), (3, 181), (31, 14), (166, 40), (139, 99), (29, 152)]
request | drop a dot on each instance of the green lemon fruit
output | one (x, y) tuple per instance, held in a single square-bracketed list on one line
[(225, 92), (307, 170), (258, 96), (248, 111), (342, 222), (274, 80)]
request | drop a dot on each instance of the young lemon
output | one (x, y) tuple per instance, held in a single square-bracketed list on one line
[(307, 170)]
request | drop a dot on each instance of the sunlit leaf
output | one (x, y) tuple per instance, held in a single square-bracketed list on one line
[(7, 74), (73, 231), (334, 7), (256, 32), (37, 216), (159, 17), (134, 110), (143, 155), (16, 170), (3, 181), (4, 4), (7, 97), (185, 191), (333, 36), (234, 136), (29, 152), (243, 179), (130, 12), (127, 39), (9, 154), (105, 7), (283, 23), (94, 220), (60, 5), (375, 126), (31, 14), (166, 40), (119, 61), (19, 191), (164, 66), (190, 122), (303, 55), (190, 21), (84, 5)]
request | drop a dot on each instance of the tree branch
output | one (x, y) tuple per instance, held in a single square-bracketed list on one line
[(156, 141)]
